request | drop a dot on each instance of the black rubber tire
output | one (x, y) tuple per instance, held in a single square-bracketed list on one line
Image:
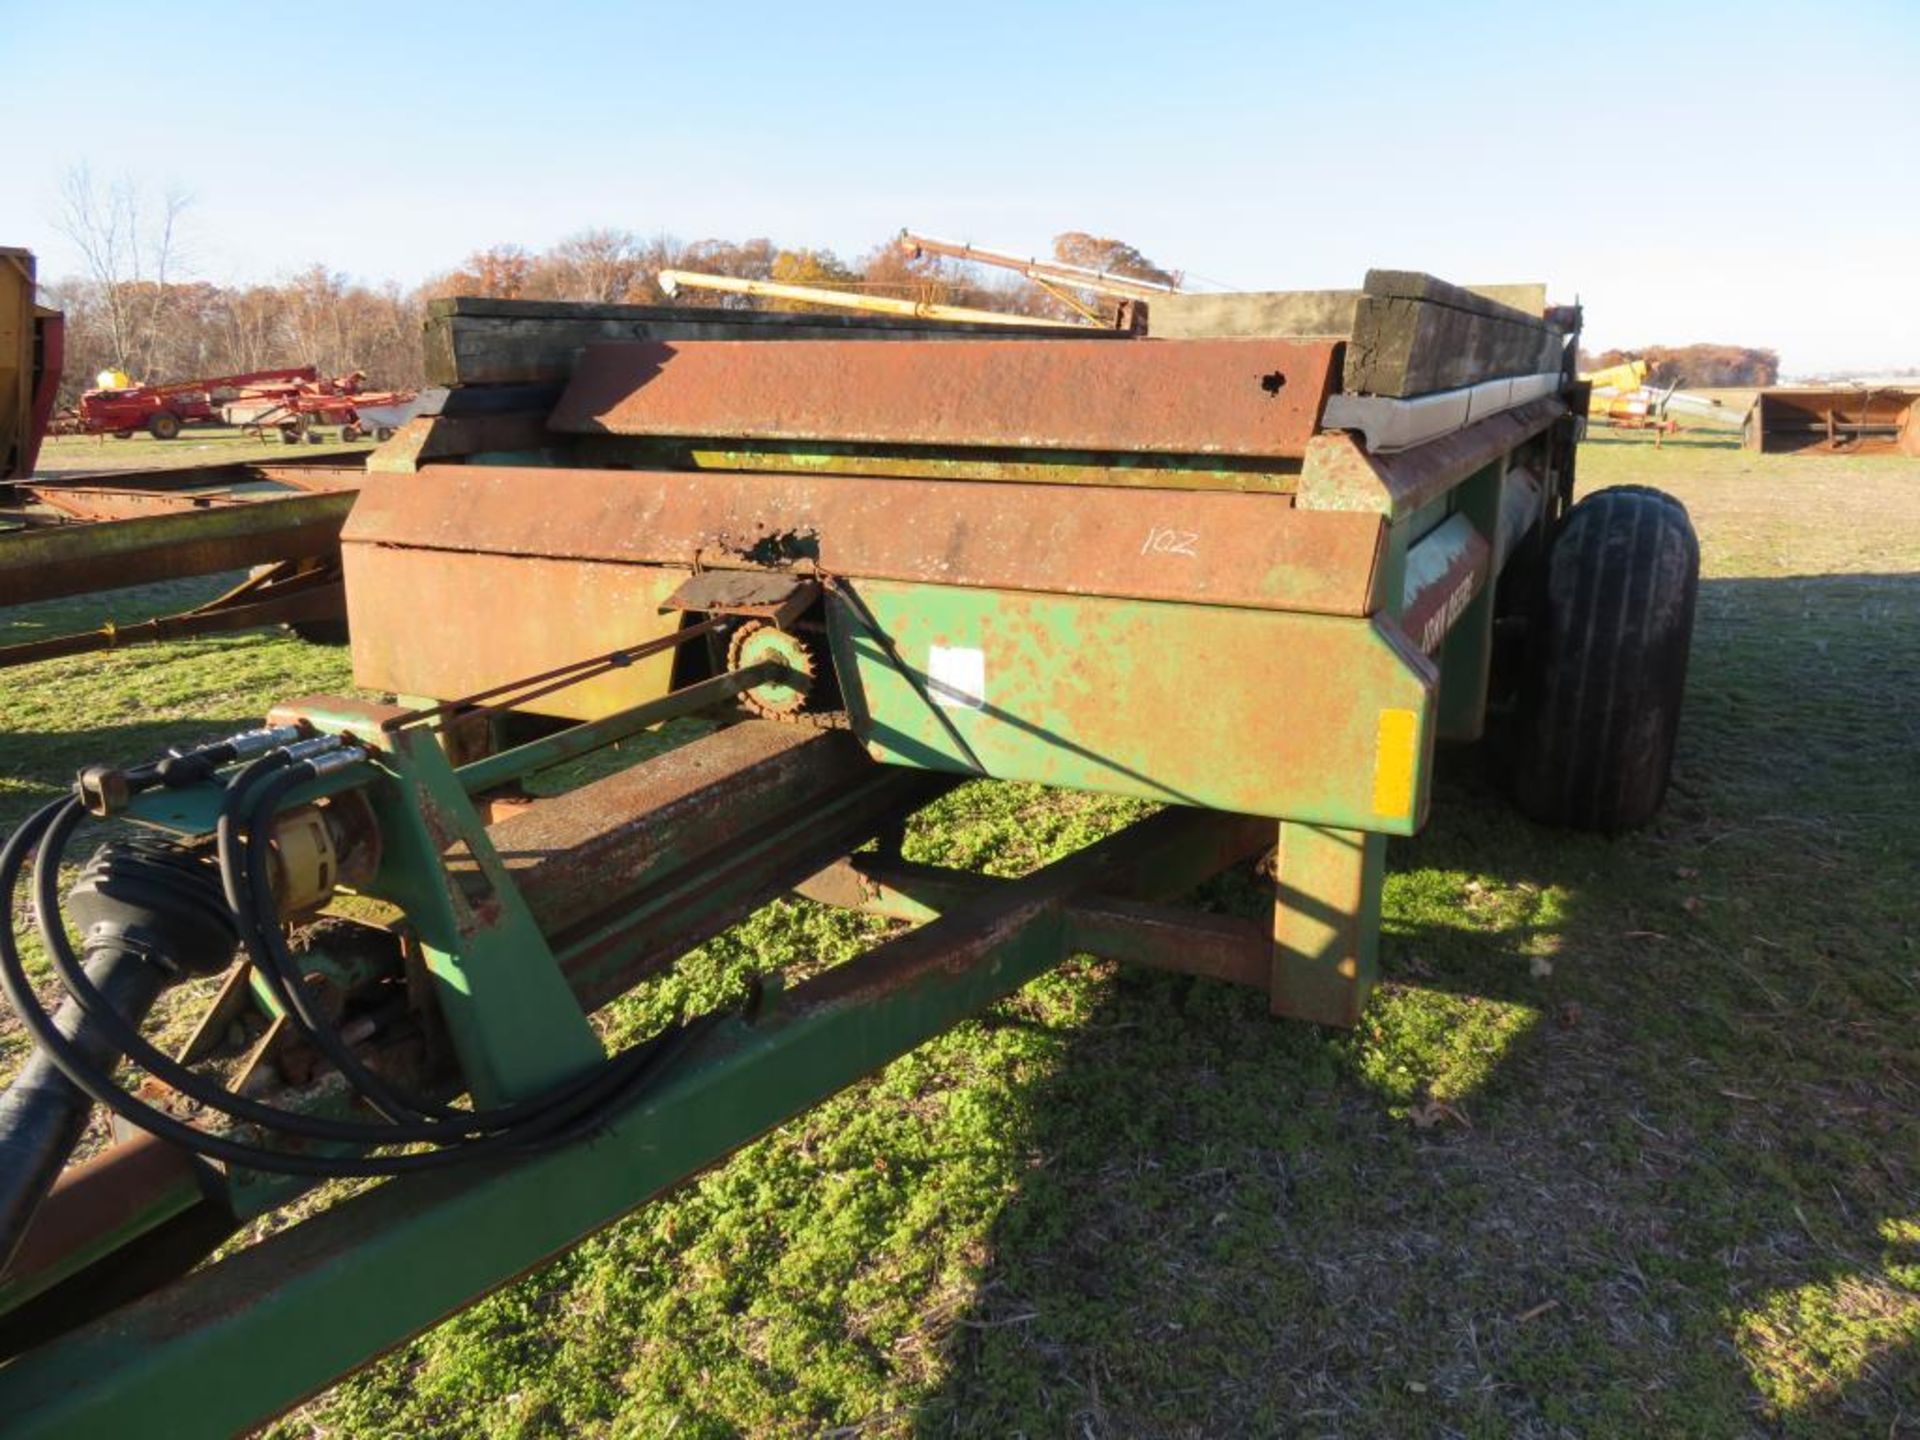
[(1611, 627), (163, 425)]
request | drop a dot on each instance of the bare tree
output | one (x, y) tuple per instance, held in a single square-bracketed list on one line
[(129, 242), (603, 265)]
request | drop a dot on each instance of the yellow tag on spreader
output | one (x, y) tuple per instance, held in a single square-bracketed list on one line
[(1395, 750)]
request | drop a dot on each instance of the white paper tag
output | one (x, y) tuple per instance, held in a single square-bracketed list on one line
[(957, 677)]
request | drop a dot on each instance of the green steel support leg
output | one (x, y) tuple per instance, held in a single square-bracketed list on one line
[(1326, 921)]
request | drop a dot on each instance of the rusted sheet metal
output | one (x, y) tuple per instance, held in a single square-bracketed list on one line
[(627, 873), (314, 477), (444, 623), (1191, 397), (1443, 573), (326, 472), (1058, 467), (78, 559), (906, 890), (573, 855), (1340, 475), (778, 598), (102, 502), (1850, 419), (1208, 547)]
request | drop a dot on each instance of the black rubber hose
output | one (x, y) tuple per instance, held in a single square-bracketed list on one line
[(576, 1112), (43, 1113), (60, 824)]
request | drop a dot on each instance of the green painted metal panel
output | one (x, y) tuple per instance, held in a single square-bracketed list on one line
[(1307, 717)]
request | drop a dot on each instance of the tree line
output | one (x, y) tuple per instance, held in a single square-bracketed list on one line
[(137, 319), (1700, 366), (130, 310)]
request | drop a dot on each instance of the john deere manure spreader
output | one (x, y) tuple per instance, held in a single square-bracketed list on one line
[(1251, 563)]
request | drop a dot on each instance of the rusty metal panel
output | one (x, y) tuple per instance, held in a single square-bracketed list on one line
[(1835, 419), (778, 597), (102, 502), (1340, 475), (1212, 547), (573, 855), (437, 625), (1191, 397), (79, 559)]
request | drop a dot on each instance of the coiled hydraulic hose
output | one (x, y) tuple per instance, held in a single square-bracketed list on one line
[(569, 1111)]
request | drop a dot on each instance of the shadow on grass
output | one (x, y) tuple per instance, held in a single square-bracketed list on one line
[(1626, 1144), (1669, 1185)]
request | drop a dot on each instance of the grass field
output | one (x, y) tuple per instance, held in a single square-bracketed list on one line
[(1629, 1143), (196, 445)]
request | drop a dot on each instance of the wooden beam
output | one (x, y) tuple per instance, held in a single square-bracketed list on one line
[(535, 342), (1284, 314), (1413, 334)]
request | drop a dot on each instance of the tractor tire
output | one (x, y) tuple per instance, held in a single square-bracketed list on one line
[(164, 425), (1609, 633), (349, 433), (383, 433)]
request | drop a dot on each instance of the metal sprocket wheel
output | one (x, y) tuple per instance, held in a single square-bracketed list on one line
[(786, 698)]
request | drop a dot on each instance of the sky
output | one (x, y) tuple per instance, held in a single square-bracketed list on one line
[(1744, 174)]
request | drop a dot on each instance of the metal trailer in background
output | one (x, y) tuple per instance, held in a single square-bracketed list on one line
[(1835, 419), (31, 343), (82, 534), (1254, 578)]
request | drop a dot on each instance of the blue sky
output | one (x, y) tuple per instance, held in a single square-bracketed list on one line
[(1743, 173)]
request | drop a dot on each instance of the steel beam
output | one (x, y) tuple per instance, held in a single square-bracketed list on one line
[(1190, 397), (1210, 547), (78, 559), (1326, 922)]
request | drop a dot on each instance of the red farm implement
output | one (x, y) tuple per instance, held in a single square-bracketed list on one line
[(163, 410)]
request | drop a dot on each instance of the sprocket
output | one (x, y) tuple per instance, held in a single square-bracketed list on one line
[(785, 698)]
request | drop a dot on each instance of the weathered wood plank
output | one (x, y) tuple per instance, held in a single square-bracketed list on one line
[(1278, 314), (1413, 335), (508, 342), (1295, 314)]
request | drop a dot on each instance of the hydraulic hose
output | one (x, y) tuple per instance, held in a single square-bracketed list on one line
[(44, 1114), (148, 916), (245, 911)]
